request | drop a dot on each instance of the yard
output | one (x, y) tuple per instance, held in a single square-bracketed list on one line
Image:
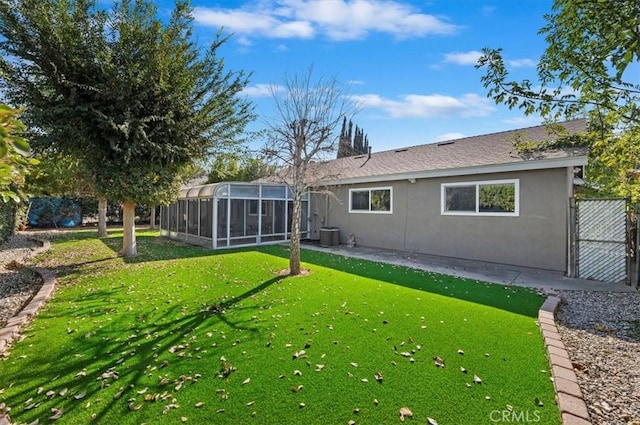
[(185, 334)]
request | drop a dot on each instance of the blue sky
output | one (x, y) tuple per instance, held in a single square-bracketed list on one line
[(409, 63)]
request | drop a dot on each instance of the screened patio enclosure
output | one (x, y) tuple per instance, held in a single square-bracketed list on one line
[(222, 215)]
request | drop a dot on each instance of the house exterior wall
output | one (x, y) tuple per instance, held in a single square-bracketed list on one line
[(537, 237)]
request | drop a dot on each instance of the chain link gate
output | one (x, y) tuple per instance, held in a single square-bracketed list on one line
[(601, 240)]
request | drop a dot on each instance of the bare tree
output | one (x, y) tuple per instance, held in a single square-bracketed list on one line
[(303, 134)]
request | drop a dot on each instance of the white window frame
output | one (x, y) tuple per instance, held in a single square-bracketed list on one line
[(477, 184), (370, 189)]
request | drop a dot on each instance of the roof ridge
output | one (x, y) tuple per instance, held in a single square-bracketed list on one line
[(476, 136)]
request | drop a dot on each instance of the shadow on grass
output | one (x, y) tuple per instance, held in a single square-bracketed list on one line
[(524, 301), (162, 345)]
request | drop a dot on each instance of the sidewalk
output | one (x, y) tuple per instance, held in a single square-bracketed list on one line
[(487, 272)]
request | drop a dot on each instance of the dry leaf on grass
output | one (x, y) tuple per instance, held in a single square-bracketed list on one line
[(57, 414), (405, 413)]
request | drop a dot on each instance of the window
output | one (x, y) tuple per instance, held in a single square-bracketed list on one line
[(373, 200), (497, 197)]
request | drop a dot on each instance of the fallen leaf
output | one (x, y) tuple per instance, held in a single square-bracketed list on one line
[(364, 380), (538, 402), (431, 421), (57, 414), (477, 379), (79, 396), (183, 419), (463, 370), (378, 376), (297, 372), (142, 391), (250, 403), (375, 402), (460, 352), (301, 405), (133, 406), (405, 413), (246, 381), (354, 364), (119, 393), (199, 404)]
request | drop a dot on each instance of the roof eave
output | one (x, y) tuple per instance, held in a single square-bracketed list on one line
[(538, 164)]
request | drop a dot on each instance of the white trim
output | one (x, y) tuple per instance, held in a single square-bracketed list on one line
[(476, 184), (370, 189), (538, 164)]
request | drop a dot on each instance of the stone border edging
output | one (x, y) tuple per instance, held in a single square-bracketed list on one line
[(11, 331), (569, 397)]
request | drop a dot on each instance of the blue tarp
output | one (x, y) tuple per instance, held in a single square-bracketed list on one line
[(54, 212)]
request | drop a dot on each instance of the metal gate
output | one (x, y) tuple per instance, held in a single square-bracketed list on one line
[(602, 244)]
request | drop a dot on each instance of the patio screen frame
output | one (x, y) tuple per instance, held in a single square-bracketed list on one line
[(233, 214)]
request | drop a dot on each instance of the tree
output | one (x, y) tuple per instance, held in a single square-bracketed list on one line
[(588, 68), (233, 167), (308, 113), (590, 47), (130, 97), (15, 154), (350, 144)]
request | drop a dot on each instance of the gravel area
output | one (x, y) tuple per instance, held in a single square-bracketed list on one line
[(17, 285), (601, 332)]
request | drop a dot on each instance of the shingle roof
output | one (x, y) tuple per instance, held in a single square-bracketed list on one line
[(465, 153)]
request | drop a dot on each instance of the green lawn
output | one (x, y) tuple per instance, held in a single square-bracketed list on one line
[(182, 333)]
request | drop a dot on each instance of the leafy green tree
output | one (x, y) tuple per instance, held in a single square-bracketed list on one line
[(133, 99), (592, 47), (15, 154), (233, 167), (589, 68)]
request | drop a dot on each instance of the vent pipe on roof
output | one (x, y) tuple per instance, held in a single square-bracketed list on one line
[(369, 152)]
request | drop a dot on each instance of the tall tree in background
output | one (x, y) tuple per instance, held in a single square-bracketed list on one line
[(130, 97), (240, 168), (590, 67), (308, 113), (350, 144)]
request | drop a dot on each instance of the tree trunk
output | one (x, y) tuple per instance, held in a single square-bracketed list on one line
[(152, 226), (129, 247), (102, 217), (294, 253)]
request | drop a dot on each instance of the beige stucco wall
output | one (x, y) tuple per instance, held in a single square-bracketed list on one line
[(536, 238)]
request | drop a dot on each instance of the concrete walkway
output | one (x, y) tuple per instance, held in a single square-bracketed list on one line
[(487, 272)]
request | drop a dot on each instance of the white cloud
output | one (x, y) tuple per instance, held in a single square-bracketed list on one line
[(336, 19), (427, 106), (445, 137), (488, 10), (522, 63), (463, 58), (259, 90), (522, 122)]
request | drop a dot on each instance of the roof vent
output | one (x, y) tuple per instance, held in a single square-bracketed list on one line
[(445, 143), (401, 150)]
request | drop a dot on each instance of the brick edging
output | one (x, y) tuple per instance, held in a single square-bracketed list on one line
[(11, 331), (569, 397)]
